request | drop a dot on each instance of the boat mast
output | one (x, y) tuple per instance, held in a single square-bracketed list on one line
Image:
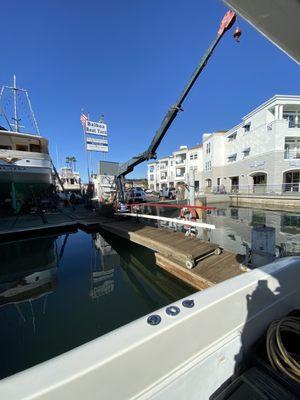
[(16, 118), (15, 90)]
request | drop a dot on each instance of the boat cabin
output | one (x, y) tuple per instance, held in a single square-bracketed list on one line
[(23, 142)]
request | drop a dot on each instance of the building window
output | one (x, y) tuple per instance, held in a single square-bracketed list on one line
[(232, 136), (151, 177), (208, 148), (207, 166), (247, 127), (293, 118), (171, 163), (180, 159), (195, 156), (246, 152), (151, 169), (232, 158), (292, 147)]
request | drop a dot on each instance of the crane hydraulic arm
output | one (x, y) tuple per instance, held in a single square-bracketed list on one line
[(226, 23)]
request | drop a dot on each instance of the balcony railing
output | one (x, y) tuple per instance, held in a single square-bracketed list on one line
[(293, 124), (180, 161), (291, 154), (259, 189), (180, 176)]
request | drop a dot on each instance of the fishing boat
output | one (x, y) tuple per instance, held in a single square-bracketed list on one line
[(70, 179), (25, 164)]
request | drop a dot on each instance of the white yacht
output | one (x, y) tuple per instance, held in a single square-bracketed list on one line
[(70, 179), (25, 164)]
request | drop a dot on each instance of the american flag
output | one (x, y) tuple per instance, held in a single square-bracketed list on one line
[(83, 118)]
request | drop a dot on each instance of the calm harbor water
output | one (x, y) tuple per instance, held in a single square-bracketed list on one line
[(59, 292), (234, 225)]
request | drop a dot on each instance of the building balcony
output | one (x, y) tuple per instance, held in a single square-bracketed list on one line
[(163, 166), (180, 159), (181, 176), (293, 124), (163, 177), (292, 154)]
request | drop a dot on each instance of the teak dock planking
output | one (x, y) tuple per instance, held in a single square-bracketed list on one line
[(173, 251)]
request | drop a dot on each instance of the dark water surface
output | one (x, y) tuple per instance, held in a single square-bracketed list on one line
[(59, 292)]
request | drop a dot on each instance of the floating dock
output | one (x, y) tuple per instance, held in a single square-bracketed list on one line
[(174, 251), (198, 263)]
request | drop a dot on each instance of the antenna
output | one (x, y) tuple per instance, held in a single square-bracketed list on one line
[(15, 93)]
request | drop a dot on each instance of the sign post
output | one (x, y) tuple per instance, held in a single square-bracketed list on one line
[(95, 137)]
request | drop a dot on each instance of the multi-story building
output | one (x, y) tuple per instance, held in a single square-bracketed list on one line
[(261, 154), (173, 170)]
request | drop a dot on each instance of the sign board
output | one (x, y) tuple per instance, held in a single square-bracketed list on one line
[(92, 140), (95, 128), (96, 147), (108, 168)]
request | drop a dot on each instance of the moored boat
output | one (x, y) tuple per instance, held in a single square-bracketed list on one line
[(25, 163)]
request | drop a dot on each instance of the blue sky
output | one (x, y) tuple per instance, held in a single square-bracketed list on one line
[(129, 60)]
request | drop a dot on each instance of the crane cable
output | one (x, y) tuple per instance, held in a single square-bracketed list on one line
[(281, 359)]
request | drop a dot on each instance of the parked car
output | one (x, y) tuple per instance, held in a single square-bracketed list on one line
[(136, 195), (167, 193)]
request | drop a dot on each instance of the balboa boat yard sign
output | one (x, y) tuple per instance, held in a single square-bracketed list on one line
[(95, 128), (92, 129)]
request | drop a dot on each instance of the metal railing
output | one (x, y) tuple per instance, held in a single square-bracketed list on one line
[(292, 154), (260, 189), (293, 125)]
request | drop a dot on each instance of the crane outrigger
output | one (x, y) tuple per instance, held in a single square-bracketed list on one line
[(124, 169)]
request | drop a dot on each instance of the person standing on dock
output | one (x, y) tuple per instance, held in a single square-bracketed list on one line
[(73, 200)]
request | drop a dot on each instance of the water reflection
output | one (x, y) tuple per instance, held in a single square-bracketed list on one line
[(57, 293), (27, 272), (234, 224), (103, 260)]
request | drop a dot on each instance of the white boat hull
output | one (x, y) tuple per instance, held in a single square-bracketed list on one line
[(25, 167), (187, 356)]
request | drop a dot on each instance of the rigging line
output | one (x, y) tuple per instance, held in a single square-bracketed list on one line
[(33, 116), (5, 116), (25, 110)]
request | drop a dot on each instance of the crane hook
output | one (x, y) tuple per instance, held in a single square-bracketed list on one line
[(237, 34)]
